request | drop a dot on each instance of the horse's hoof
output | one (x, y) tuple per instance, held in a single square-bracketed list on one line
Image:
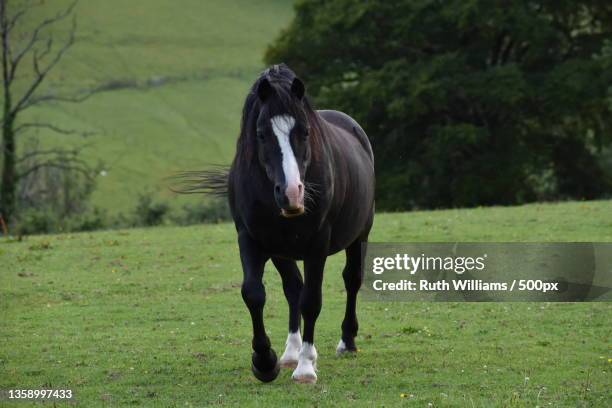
[(305, 378), (267, 371), (266, 376), (290, 357), (344, 349), (288, 363), (305, 372)]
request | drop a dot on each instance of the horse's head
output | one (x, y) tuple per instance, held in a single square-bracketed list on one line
[(283, 142)]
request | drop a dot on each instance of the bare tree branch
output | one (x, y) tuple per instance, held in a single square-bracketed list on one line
[(45, 51), (62, 98), (83, 169), (57, 152), (12, 22), (64, 155), (52, 127), (24, 172), (42, 73), (35, 36), (4, 32), (60, 158)]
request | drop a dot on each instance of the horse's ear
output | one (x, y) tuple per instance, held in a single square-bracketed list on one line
[(297, 87), (264, 89)]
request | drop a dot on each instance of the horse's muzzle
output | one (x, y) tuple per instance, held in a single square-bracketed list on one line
[(290, 199), (292, 212)]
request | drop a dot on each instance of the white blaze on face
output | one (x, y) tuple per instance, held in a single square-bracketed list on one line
[(281, 126)]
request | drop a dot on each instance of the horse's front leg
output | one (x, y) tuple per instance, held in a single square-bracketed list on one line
[(264, 362), (310, 305), (292, 286)]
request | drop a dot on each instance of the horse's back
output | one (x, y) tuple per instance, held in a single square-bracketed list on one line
[(350, 125), (354, 179)]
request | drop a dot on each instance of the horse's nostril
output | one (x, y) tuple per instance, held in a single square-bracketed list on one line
[(277, 189), (300, 188)]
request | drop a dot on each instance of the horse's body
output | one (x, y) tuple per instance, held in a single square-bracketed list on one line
[(301, 187), (340, 178)]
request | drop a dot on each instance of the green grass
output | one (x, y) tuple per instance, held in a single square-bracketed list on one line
[(154, 317), (209, 51)]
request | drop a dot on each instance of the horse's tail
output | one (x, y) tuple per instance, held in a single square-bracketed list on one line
[(212, 181)]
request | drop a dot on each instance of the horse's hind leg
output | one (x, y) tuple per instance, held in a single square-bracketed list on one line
[(292, 286), (353, 276), (264, 362)]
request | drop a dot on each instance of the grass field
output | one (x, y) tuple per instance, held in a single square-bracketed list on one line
[(154, 317), (201, 56)]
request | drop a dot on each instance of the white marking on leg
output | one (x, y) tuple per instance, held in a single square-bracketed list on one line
[(292, 350), (341, 348), (307, 365), (281, 126)]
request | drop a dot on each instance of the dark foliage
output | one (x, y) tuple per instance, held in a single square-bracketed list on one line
[(149, 212), (466, 103)]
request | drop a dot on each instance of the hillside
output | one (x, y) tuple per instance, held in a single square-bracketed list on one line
[(154, 317), (179, 75)]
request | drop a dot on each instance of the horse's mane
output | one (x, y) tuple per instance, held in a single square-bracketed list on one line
[(215, 180)]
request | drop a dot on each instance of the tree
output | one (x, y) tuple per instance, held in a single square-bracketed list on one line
[(466, 103), (38, 45)]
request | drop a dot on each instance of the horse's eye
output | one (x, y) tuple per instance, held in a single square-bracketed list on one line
[(260, 136)]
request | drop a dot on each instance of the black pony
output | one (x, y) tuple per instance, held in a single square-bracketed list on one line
[(301, 187)]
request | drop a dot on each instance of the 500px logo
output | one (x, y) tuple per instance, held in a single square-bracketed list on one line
[(412, 264)]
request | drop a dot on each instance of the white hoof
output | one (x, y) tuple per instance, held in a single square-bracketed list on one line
[(306, 378), (307, 365), (290, 357), (341, 348)]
